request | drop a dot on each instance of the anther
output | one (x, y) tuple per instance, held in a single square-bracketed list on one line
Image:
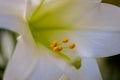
[(65, 40), (71, 46), (57, 48), (54, 44)]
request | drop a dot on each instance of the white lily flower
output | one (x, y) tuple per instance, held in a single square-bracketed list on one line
[(91, 25)]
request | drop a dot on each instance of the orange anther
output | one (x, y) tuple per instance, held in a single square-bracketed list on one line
[(65, 40), (71, 46), (57, 48), (54, 44)]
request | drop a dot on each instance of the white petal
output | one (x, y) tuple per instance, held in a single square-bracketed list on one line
[(88, 71), (13, 6), (106, 17), (27, 65), (101, 35), (95, 43), (11, 14), (46, 69), (22, 62), (64, 77), (61, 12), (31, 6)]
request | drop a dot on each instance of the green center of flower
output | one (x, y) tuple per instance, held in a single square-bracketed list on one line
[(45, 25)]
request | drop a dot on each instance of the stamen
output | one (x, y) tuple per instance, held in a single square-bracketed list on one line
[(71, 46), (65, 40), (57, 48), (54, 44)]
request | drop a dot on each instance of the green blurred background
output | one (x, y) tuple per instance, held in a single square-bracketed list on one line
[(109, 67)]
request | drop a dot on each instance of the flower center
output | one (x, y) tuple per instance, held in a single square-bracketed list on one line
[(60, 47), (45, 24)]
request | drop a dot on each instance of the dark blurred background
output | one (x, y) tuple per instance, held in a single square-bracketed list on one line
[(7, 45), (109, 66)]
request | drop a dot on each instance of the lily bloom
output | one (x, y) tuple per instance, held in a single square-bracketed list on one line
[(60, 39)]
